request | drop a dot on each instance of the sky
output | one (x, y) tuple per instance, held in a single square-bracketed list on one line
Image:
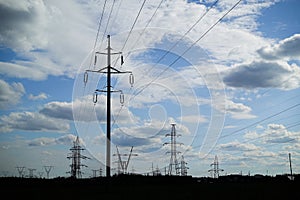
[(226, 72)]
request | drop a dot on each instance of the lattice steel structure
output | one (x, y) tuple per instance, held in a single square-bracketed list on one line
[(173, 165), (76, 157)]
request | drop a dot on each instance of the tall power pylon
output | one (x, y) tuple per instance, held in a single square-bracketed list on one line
[(76, 157), (21, 171), (183, 167), (173, 165), (123, 165), (215, 168), (108, 70), (31, 170), (48, 169)]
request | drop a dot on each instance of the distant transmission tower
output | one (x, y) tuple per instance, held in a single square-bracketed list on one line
[(48, 169), (21, 171), (183, 167), (31, 172), (109, 70), (40, 174), (123, 165), (76, 157), (215, 168), (173, 160)]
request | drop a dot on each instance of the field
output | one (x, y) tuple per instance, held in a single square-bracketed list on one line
[(152, 187)]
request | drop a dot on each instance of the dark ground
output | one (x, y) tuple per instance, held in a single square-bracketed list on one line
[(152, 187)]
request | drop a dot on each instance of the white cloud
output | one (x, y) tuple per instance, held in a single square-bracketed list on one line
[(277, 133), (194, 119), (285, 49), (22, 70), (84, 110), (10, 94), (237, 146), (236, 110), (56, 36), (31, 121), (40, 96), (23, 25), (263, 74), (62, 140)]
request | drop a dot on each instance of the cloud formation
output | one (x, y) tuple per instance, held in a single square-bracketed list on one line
[(263, 74), (31, 121), (10, 94), (285, 49)]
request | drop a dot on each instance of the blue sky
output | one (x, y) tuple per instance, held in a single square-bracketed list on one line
[(232, 91)]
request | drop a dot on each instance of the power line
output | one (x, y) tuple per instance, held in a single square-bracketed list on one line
[(99, 26), (175, 44), (257, 122), (136, 18), (202, 16), (179, 57)]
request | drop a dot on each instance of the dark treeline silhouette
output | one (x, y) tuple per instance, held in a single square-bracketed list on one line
[(153, 187)]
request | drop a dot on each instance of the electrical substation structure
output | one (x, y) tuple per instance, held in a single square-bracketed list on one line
[(76, 157), (173, 165), (108, 71)]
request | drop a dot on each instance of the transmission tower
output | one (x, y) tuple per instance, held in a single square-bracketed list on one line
[(108, 70), (31, 172), (174, 165), (183, 167), (123, 165), (76, 157), (48, 169), (215, 168), (40, 174), (21, 171)]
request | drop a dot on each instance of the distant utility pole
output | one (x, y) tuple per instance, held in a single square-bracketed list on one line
[(48, 169), (173, 159), (290, 160), (215, 168), (108, 70)]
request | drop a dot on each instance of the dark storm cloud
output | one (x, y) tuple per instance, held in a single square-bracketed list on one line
[(287, 48), (262, 74)]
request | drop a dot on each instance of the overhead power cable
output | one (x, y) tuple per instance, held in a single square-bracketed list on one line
[(179, 57), (176, 43)]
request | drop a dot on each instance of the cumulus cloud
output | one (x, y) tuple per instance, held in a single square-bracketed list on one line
[(277, 133), (10, 94), (23, 24), (84, 110), (40, 96), (236, 110), (237, 146), (263, 74), (285, 49), (31, 121), (63, 140), (60, 110), (38, 30)]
